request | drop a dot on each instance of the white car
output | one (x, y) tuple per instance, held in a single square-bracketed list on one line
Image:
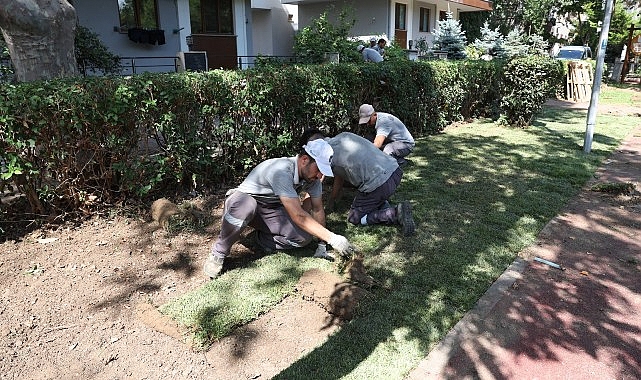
[(574, 52)]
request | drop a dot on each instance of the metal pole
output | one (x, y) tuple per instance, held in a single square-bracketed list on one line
[(596, 85)]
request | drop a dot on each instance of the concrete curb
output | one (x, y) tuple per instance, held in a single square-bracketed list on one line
[(435, 362)]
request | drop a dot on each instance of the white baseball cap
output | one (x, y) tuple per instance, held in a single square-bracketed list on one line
[(322, 153), (364, 113)]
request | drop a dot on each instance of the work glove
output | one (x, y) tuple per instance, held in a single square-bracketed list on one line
[(321, 252), (341, 244)]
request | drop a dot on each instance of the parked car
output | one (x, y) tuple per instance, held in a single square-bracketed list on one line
[(574, 52)]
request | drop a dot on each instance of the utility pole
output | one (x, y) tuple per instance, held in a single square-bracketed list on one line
[(596, 85)]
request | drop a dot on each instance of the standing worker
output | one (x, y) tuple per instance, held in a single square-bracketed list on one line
[(269, 201), (392, 136)]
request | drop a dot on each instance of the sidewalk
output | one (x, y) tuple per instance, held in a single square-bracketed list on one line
[(539, 322)]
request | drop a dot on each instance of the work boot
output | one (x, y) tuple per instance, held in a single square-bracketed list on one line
[(405, 218), (213, 266)]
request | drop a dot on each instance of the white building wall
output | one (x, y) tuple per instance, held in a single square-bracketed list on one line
[(272, 31), (262, 32), (102, 18), (372, 17), (429, 35), (265, 27)]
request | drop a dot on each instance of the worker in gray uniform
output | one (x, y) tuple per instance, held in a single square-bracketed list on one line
[(269, 201), (392, 136), (374, 174)]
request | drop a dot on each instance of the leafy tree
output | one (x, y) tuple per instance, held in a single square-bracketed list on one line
[(472, 22), (450, 37), (530, 15), (587, 32), (92, 55), (538, 16), (322, 36)]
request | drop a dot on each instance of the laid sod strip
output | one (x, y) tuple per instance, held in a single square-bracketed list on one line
[(481, 193), (238, 296)]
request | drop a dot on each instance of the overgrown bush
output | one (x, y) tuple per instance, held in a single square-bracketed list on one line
[(322, 36), (6, 70)]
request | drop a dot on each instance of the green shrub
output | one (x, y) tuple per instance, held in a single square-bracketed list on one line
[(6, 70), (526, 84), (322, 36), (74, 144), (92, 55)]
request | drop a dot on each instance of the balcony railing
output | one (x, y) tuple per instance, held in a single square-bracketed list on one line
[(137, 65)]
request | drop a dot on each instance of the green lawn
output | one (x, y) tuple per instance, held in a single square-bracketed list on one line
[(481, 194)]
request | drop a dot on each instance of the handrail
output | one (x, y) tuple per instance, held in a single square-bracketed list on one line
[(132, 65)]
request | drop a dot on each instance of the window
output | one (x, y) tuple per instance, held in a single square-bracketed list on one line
[(138, 14), (211, 16), (399, 16), (424, 20), (442, 16)]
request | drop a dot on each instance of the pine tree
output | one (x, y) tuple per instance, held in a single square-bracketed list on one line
[(537, 45), (450, 37), (491, 42), (515, 45)]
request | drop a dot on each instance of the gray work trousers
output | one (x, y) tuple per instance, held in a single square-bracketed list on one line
[(274, 226), (398, 150), (375, 204)]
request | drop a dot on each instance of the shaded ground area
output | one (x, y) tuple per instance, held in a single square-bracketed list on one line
[(582, 322), (79, 302)]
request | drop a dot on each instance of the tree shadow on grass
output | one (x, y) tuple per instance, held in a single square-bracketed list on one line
[(477, 207)]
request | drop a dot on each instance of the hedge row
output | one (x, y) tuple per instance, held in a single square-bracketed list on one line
[(70, 144)]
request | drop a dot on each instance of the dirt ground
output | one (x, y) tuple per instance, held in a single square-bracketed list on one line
[(79, 302)]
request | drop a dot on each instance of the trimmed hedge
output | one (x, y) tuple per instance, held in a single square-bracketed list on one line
[(76, 143)]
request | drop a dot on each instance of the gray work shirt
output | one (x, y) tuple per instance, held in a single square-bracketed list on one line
[(371, 55), (360, 162), (275, 178), (392, 128)]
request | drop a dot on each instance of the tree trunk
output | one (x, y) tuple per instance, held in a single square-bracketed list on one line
[(40, 37)]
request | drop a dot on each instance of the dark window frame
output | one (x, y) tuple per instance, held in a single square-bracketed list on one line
[(137, 6), (400, 24), (424, 20), (222, 25)]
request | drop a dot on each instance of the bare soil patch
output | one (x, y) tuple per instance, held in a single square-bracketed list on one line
[(81, 302)]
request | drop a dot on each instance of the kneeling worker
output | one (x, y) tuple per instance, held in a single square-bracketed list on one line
[(392, 136), (268, 200)]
